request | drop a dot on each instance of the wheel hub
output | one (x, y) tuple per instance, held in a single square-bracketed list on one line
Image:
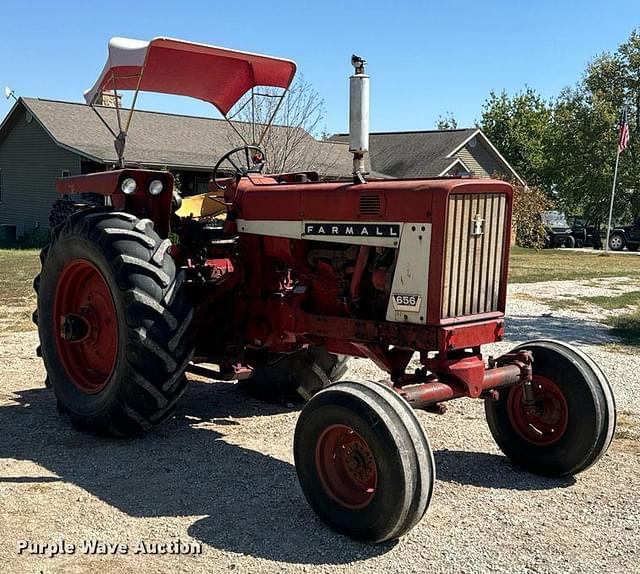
[(74, 328), (346, 466), (359, 461), (543, 421), (87, 336)]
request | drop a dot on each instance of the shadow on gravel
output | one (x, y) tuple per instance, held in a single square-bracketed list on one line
[(251, 502), (568, 329), (490, 471)]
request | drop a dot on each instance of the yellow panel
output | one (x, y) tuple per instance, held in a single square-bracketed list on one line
[(205, 204)]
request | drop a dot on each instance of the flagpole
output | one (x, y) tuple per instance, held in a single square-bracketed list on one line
[(613, 194)]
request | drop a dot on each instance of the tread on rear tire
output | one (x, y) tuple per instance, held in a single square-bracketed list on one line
[(295, 377), (152, 316)]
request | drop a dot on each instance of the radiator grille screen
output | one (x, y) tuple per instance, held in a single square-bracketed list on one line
[(474, 252)]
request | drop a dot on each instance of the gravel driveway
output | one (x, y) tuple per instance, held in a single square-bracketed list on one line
[(221, 474)]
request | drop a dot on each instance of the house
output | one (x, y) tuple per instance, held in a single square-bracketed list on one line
[(435, 153), (42, 140)]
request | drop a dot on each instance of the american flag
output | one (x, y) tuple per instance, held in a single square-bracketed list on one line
[(623, 140)]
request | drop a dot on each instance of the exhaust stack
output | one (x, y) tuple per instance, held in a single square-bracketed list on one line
[(358, 117)]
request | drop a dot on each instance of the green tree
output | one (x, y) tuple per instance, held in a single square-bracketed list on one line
[(580, 146), (518, 127), (582, 140), (447, 122)]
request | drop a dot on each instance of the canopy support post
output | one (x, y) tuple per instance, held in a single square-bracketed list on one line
[(273, 116)]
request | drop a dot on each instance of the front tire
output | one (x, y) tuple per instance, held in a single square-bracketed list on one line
[(363, 461), (572, 422), (113, 322)]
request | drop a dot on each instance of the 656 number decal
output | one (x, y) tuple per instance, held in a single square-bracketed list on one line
[(406, 302)]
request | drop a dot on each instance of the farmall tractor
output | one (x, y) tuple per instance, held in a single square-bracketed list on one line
[(297, 276)]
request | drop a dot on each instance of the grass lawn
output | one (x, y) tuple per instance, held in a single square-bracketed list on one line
[(18, 267), (627, 327), (531, 266)]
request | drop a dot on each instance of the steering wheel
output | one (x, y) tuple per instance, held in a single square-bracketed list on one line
[(254, 160)]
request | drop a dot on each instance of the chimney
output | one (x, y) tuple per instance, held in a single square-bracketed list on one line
[(109, 100)]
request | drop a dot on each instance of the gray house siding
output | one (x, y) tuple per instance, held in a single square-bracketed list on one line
[(480, 160), (30, 162)]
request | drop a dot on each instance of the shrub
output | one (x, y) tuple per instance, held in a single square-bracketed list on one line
[(35, 239), (528, 204)]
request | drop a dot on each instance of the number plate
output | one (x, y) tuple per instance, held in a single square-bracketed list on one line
[(406, 302)]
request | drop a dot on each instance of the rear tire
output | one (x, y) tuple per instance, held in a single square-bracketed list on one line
[(617, 242), (61, 210), (569, 242), (363, 461), (573, 421), (113, 322), (294, 377)]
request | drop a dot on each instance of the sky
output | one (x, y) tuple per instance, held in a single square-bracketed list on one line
[(424, 58)]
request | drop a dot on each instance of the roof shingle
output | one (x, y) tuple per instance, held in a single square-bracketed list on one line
[(161, 139), (412, 153)]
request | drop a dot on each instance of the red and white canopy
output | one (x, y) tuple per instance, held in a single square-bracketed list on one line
[(164, 65)]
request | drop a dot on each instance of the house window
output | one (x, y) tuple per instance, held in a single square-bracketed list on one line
[(66, 173), (202, 184)]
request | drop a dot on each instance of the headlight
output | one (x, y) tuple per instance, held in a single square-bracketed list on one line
[(129, 186), (156, 187)]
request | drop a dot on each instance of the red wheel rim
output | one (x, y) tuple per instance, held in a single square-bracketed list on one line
[(544, 422), (86, 326), (346, 466)]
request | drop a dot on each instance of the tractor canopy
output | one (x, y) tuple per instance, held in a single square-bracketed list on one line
[(168, 66)]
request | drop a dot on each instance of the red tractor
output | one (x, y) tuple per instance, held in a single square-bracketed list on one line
[(296, 276)]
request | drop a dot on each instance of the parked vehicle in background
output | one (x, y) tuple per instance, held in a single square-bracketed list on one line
[(627, 236), (558, 230), (585, 235)]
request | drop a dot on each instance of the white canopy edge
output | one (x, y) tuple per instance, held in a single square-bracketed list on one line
[(122, 52)]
